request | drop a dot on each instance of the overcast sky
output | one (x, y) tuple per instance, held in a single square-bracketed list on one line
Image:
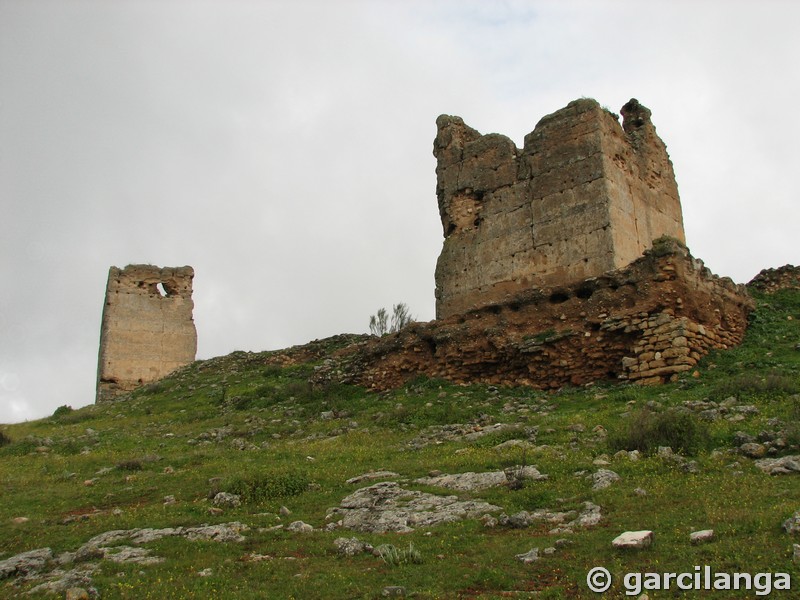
[(283, 149)]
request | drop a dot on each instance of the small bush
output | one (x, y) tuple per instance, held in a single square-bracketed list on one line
[(272, 371), (62, 410), (258, 488), (129, 465), (394, 556), (645, 431), (4, 439), (749, 383)]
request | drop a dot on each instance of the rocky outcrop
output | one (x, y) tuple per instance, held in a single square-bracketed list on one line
[(387, 507)]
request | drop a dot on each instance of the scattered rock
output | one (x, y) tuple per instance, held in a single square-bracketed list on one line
[(25, 563), (701, 537), (352, 546), (393, 591), (20, 520), (640, 491), (529, 557), (59, 581), (790, 525), (284, 512), (753, 450), (205, 573), (169, 500), (224, 499), (468, 482), (299, 527), (129, 554), (588, 517), (604, 478), (388, 507), (76, 593), (489, 521), (785, 465), (372, 475), (633, 539)]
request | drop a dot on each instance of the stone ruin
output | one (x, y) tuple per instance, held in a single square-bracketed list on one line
[(583, 196), (563, 263), (147, 329)]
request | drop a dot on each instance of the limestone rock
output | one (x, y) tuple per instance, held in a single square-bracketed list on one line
[(528, 557), (633, 539), (352, 546), (224, 499), (25, 563), (299, 527), (386, 507), (786, 465), (792, 524), (604, 478), (701, 537), (753, 450), (372, 476), (468, 482)]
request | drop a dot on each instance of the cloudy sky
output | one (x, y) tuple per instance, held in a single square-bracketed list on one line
[(283, 149)]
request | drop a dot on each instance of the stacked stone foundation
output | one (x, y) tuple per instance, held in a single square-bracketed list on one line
[(647, 323)]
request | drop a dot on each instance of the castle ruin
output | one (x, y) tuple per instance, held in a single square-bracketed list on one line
[(563, 263), (147, 329), (582, 197)]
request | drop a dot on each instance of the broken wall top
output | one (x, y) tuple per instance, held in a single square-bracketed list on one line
[(582, 197)]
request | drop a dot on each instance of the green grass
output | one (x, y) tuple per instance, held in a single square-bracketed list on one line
[(244, 425)]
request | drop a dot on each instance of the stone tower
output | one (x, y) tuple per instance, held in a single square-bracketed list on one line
[(582, 197), (147, 330)]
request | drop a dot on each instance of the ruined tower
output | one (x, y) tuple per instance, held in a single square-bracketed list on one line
[(147, 329), (582, 197)]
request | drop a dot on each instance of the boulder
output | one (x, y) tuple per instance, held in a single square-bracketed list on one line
[(633, 539)]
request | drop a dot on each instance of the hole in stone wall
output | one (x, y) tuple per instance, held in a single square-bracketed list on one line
[(558, 297), (584, 293)]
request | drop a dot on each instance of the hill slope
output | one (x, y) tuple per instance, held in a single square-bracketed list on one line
[(244, 426)]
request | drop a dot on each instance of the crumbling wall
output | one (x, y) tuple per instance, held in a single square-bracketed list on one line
[(770, 281), (583, 196), (646, 323), (147, 329)]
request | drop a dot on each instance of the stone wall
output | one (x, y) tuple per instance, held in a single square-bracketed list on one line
[(147, 329), (582, 197), (646, 323), (771, 280)]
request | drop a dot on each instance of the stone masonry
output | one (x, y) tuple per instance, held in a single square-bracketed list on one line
[(647, 323), (582, 197), (147, 329)]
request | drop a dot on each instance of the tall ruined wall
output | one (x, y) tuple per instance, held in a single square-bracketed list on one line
[(646, 323), (147, 329), (582, 197)]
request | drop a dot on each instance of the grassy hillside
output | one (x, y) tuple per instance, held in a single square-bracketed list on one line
[(236, 424)]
